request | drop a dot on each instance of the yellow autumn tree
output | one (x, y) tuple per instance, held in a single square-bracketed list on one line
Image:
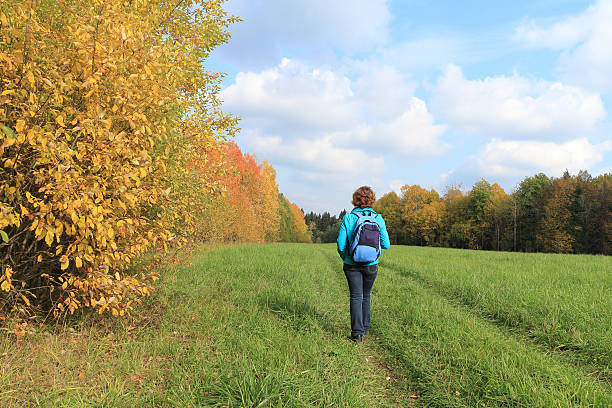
[(497, 213), (103, 104), (246, 207), (421, 213), (269, 212)]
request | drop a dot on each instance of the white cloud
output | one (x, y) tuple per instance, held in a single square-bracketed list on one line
[(514, 159), (585, 41), (557, 36), (413, 133), (515, 106), (327, 131), (296, 108), (308, 25), (507, 162), (309, 99), (396, 186), (384, 89), (320, 155)]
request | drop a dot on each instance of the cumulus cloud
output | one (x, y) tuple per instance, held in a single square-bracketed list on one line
[(413, 133), (396, 186), (383, 89), (515, 106), (327, 131), (320, 155), (307, 25), (509, 161), (292, 93), (584, 41), (296, 108)]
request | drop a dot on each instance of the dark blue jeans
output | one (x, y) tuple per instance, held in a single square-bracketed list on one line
[(360, 280)]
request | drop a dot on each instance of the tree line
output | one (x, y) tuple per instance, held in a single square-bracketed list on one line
[(569, 214), (323, 227)]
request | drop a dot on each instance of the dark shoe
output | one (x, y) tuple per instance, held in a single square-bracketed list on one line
[(356, 339)]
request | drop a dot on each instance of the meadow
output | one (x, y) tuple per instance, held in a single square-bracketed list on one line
[(267, 326)]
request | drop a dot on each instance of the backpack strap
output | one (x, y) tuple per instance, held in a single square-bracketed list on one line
[(360, 214)]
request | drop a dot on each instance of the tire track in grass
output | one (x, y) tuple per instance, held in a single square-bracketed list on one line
[(599, 371), (589, 370), (560, 301), (459, 360)]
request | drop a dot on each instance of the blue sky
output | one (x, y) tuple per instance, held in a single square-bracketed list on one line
[(437, 93)]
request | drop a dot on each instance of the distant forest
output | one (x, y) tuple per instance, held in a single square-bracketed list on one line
[(569, 214), (324, 227)]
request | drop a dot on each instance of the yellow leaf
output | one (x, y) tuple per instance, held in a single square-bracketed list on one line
[(65, 264), (20, 125), (78, 262), (25, 299), (5, 286), (24, 211), (40, 258), (30, 77), (49, 237), (60, 120), (3, 19)]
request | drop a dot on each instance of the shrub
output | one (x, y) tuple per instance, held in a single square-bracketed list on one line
[(102, 105)]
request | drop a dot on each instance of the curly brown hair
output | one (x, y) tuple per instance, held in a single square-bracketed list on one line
[(364, 197)]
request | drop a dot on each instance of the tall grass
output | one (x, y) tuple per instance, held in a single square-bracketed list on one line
[(267, 326), (244, 326), (563, 302)]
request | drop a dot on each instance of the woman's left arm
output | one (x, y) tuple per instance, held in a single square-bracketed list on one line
[(385, 243), (341, 242)]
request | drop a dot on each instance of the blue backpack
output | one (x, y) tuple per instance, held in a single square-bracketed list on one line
[(365, 244)]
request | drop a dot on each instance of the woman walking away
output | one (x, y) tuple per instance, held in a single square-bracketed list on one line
[(362, 234)]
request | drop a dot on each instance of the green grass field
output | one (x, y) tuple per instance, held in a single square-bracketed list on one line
[(266, 326)]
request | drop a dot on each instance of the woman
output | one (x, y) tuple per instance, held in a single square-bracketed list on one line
[(360, 277)]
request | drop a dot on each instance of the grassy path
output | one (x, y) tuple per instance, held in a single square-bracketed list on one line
[(266, 326), (241, 327)]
